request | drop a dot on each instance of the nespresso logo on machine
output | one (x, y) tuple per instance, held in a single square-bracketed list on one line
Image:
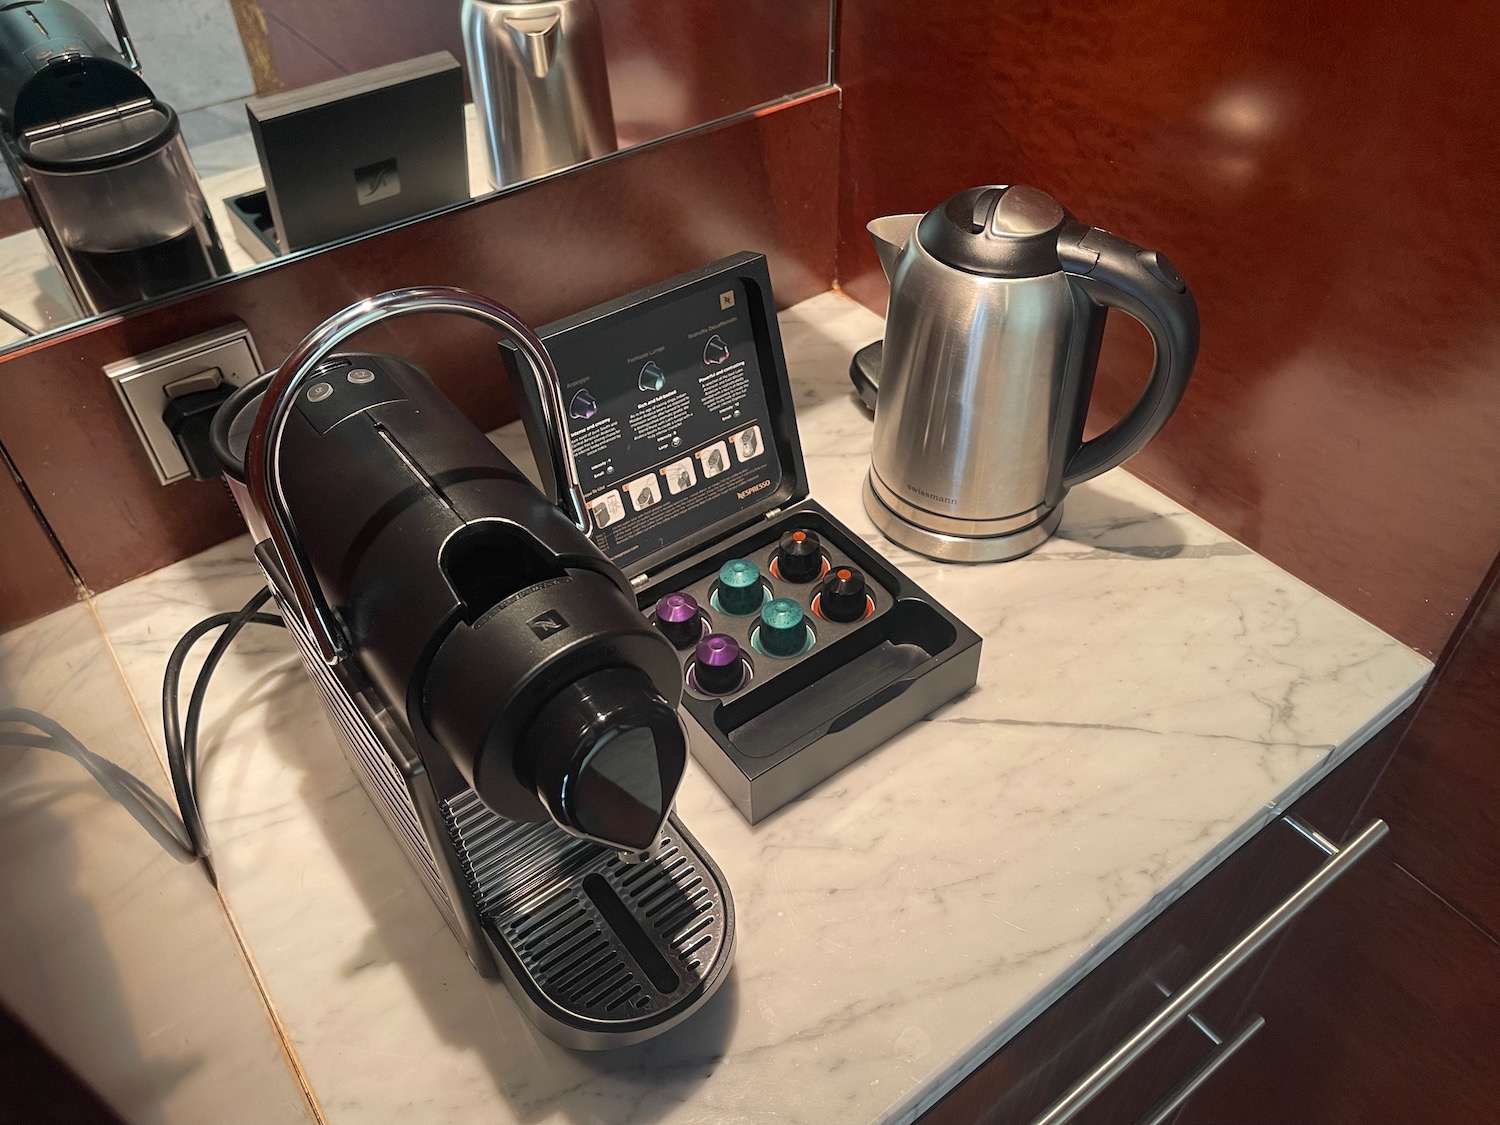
[(546, 624), (753, 489), (930, 495)]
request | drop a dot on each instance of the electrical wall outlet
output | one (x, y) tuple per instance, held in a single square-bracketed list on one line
[(142, 381)]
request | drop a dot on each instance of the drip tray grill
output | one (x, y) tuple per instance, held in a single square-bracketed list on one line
[(605, 948)]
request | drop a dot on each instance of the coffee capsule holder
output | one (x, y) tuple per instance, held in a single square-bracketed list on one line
[(792, 721)]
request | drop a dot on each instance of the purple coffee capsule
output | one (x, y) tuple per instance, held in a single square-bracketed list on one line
[(680, 620), (718, 666)]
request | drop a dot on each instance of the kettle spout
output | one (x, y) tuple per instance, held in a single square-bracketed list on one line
[(891, 234)]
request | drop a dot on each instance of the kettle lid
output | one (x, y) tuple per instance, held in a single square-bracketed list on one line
[(999, 231)]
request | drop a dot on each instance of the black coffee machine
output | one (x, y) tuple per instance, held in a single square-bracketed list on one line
[(100, 161), (509, 709)]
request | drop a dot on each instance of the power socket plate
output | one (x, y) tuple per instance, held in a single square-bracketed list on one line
[(141, 381)]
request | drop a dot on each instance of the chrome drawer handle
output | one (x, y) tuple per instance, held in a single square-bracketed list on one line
[(1184, 1001), (1189, 1085)]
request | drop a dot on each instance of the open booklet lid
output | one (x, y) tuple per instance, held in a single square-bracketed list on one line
[(679, 412)]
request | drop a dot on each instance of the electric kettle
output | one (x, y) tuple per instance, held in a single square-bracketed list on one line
[(997, 309)]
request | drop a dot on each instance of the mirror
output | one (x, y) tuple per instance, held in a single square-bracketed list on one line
[(256, 131)]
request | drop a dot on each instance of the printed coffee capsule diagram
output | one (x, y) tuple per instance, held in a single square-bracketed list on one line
[(716, 350), (653, 378), (583, 406), (714, 459), (607, 509)]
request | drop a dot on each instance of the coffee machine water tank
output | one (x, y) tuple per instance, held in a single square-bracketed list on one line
[(100, 160)]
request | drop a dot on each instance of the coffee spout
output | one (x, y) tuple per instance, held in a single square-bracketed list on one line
[(891, 235)]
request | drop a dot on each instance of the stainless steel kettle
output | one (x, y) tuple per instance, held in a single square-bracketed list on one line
[(997, 309)]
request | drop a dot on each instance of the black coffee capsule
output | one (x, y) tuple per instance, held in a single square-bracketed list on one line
[(799, 556), (843, 596)]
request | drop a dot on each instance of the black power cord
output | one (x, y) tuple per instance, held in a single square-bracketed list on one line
[(180, 832), (182, 747)]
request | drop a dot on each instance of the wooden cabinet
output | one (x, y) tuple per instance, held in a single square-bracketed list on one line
[(1074, 1035), (1385, 1003)]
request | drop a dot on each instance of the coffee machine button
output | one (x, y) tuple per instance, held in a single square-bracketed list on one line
[(361, 375), (318, 392)]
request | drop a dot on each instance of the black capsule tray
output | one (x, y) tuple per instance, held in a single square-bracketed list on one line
[(662, 378), (798, 721)]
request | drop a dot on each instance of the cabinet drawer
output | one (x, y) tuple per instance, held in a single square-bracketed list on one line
[(1067, 1060)]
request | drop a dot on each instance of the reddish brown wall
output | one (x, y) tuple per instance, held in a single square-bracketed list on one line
[(1323, 174), (33, 576), (766, 183)]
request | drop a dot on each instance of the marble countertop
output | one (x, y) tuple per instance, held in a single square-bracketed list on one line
[(1151, 694)]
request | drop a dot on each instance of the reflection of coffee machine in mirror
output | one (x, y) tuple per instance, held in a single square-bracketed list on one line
[(100, 160), (537, 73)]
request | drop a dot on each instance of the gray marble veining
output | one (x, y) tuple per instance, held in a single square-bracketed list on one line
[(117, 956)]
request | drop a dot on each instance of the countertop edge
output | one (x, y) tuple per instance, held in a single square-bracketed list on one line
[(928, 1096)]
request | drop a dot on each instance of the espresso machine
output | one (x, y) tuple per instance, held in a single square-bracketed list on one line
[(508, 708), (540, 85), (99, 159)]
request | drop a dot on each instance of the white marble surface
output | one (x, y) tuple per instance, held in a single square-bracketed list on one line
[(1150, 693), (118, 957)]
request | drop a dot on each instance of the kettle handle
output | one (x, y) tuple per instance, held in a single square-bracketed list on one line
[(1111, 273)]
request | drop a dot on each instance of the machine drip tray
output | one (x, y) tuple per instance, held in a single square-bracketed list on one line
[(603, 952)]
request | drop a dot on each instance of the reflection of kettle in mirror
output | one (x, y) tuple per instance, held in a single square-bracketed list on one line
[(997, 310), (536, 69)]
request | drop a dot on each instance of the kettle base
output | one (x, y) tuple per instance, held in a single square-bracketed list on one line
[(958, 548)]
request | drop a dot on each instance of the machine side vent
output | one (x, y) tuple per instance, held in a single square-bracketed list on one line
[(383, 782)]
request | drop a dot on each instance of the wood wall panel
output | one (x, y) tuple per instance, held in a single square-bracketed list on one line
[(1385, 1008), (33, 577), (1442, 791), (766, 183), (1323, 175)]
